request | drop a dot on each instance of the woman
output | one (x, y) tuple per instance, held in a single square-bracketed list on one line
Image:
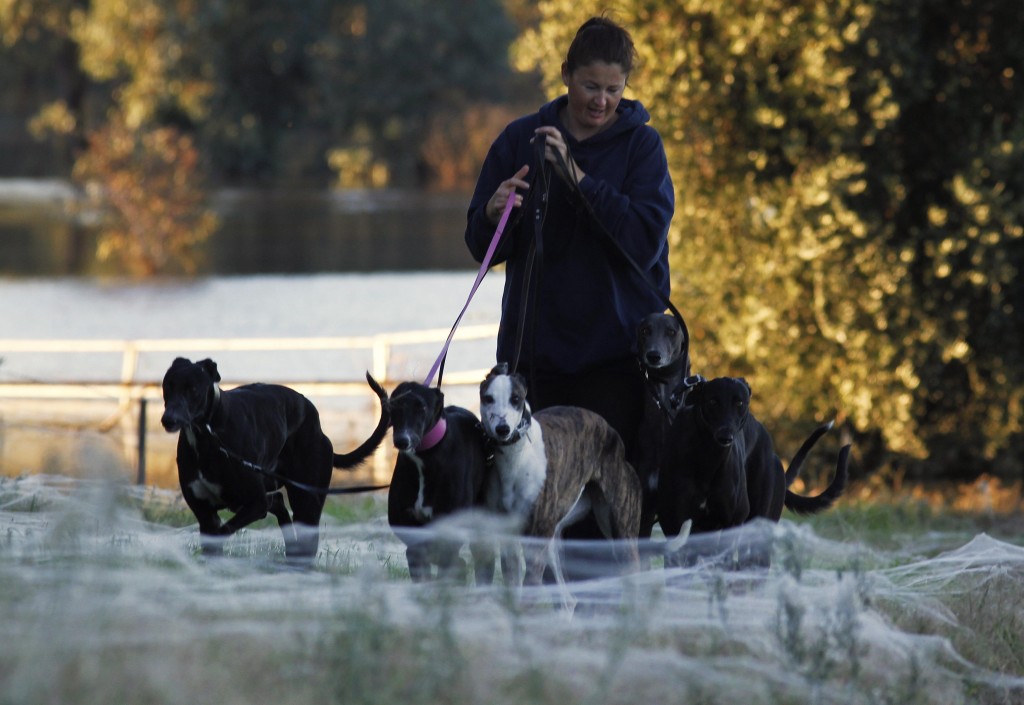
[(574, 340)]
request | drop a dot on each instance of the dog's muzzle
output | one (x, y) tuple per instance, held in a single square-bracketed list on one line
[(173, 422), (653, 358), (405, 442), (724, 437)]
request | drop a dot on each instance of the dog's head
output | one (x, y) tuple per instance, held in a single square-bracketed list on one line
[(415, 409), (190, 393), (660, 340), (723, 406), (504, 411), (663, 347)]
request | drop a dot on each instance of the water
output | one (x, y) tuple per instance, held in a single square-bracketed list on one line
[(274, 231)]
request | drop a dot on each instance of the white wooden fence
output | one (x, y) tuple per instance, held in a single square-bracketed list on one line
[(132, 389)]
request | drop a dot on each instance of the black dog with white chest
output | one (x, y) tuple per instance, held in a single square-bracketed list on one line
[(440, 470), (239, 449), (721, 470)]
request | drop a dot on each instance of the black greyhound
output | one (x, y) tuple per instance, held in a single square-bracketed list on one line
[(440, 470), (238, 449), (721, 470)]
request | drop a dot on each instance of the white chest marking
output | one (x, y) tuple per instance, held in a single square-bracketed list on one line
[(206, 490), (522, 470), (419, 510)]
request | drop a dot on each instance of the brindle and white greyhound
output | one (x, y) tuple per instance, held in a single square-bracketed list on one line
[(551, 466)]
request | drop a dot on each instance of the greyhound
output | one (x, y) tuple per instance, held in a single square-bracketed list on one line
[(550, 468), (721, 469), (663, 352), (663, 355), (238, 449), (440, 470)]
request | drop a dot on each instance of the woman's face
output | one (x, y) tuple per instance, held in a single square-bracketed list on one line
[(594, 93)]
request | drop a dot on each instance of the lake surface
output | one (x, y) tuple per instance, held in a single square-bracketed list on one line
[(261, 232)]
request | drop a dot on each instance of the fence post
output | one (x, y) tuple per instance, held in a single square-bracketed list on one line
[(141, 473)]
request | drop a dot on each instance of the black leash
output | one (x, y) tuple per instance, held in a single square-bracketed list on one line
[(254, 467), (538, 198), (574, 182)]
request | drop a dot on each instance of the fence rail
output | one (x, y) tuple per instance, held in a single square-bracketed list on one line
[(131, 389)]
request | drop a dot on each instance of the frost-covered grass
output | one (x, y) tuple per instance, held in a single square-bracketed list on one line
[(105, 598)]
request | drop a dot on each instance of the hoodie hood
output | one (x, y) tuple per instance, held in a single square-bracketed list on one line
[(632, 114)]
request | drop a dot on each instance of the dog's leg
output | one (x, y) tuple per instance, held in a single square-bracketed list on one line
[(306, 510), (284, 520), (483, 562), (417, 555), (450, 565), (511, 569)]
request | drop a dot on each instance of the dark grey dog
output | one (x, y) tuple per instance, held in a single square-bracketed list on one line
[(662, 349), (238, 449), (721, 469), (440, 470)]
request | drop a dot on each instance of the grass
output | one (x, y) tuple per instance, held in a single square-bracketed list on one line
[(885, 599)]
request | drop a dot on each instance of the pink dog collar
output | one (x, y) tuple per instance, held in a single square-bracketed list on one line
[(434, 436)]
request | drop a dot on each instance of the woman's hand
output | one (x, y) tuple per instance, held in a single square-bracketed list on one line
[(506, 190), (557, 153)]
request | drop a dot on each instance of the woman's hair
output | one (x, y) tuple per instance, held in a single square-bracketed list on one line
[(600, 39)]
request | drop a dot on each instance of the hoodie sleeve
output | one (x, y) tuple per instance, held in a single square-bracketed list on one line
[(498, 166), (639, 214)]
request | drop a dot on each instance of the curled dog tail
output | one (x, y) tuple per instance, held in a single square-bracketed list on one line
[(671, 545), (347, 461), (812, 505), (794, 465)]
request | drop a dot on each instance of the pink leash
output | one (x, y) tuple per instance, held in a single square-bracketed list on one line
[(484, 266)]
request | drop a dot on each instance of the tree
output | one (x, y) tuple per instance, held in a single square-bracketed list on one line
[(848, 230), (392, 69)]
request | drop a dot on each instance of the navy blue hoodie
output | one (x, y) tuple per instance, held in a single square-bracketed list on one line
[(589, 300)]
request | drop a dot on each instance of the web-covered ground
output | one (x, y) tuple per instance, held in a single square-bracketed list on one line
[(105, 598)]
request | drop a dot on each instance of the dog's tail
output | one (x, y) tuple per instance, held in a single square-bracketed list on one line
[(347, 461), (812, 505), (671, 544), (794, 465)]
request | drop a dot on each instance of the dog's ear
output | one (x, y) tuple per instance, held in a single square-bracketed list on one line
[(210, 367), (500, 369), (527, 414), (516, 377), (745, 384), (692, 389), (180, 362)]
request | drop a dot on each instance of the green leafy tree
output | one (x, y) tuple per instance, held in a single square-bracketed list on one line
[(392, 69), (848, 225)]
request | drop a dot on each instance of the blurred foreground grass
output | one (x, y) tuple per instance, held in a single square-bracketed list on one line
[(902, 597)]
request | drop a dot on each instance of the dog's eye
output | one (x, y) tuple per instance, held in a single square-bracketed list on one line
[(516, 399), (671, 333), (487, 399)]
